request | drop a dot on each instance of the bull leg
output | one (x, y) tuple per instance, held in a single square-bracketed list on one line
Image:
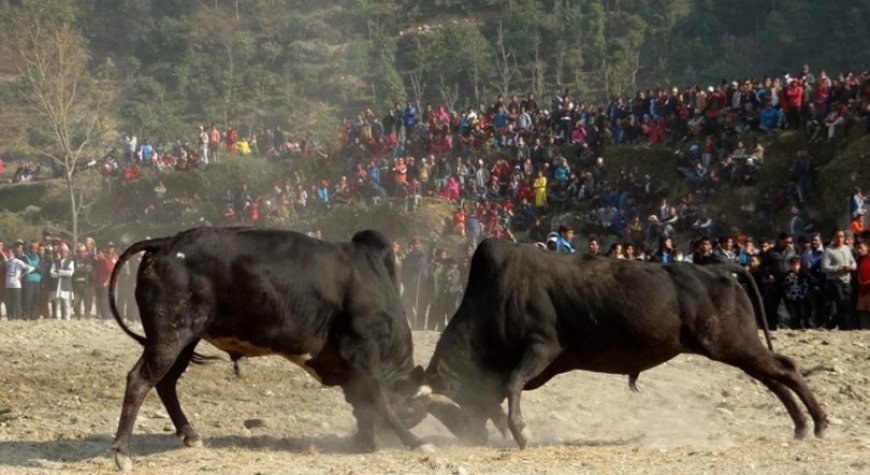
[(792, 378), (782, 370), (794, 411), (535, 360), (364, 439), (499, 419), (146, 373), (361, 358), (166, 388), (406, 436)]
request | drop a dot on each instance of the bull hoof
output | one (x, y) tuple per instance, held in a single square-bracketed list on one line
[(523, 437), (427, 448), (820, 430), (123, 462), (193, 441), (189, 437), (800, 432), (363, 443)]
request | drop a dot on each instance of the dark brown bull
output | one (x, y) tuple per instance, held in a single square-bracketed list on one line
[(528, 315), (332, 308)]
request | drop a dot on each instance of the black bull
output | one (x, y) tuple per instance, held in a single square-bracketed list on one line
[(528, 315), (333, 308)]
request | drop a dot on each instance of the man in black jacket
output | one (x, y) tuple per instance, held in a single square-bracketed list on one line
[(774, 264)]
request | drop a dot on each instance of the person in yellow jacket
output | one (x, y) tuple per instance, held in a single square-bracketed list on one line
[(540, 186), (243, 147)]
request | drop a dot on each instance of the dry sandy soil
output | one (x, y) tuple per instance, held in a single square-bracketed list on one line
[(61, 385)]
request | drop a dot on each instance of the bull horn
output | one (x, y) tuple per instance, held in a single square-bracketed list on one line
[(442, 400), (424, 391)]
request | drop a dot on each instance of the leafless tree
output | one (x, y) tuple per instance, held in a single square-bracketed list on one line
[(503, 60), (51, 60)]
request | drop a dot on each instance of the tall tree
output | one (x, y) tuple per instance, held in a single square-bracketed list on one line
[(51, 61)]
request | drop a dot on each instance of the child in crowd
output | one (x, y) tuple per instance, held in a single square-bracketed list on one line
[(795, 288)]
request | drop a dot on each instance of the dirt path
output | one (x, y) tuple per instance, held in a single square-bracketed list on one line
[(61, 385)]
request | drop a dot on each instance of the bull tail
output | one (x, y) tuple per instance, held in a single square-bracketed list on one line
[(757, 303), (149, 245)]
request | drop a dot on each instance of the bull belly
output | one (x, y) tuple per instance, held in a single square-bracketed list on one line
[(237, 346), (622, 363)]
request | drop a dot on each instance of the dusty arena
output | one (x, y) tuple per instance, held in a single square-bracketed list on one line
[(61, 385)]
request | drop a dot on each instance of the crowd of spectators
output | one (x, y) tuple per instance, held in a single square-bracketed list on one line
[(507, 164), (54, 278)]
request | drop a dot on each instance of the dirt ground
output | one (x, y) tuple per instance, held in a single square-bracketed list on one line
[(61, 385)]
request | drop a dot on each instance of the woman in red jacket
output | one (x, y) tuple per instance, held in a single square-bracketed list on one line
[(863, 305)]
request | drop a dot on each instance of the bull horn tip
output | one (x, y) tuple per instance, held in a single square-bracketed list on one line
[(424, 391)]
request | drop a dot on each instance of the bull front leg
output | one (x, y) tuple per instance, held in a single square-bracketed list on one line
[(359, 354), (534, 361)]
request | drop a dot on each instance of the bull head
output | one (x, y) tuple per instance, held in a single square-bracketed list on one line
[(466, 421)]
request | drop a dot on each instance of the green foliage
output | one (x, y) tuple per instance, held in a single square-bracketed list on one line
[(845, 171), (169, 65), (13, 227)]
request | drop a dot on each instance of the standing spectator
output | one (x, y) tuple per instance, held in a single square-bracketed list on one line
[(796, 293), (146, 153), (773, 263), (811, 263), (103, 265), (857, 223), (863, 305), (4, 255), (540, 186), (214, 140), (563, 241), (415, 273), (472, 230), (132, 143), (838, 264), (31, 282), (62, 269), (47, 255), (82, 280), (726, 250), (857, 202), (704, 255), (593, 247), (16, 270), (230, 138), (667, 253), (202, 140)]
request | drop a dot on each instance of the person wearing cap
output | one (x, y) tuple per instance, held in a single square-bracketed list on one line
[(103, 265), (563, 240)]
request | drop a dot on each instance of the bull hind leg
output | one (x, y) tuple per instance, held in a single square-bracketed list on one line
[(791, 377), (779, 373), (166, 389), (794, 411), (535, 360), (149, 370)]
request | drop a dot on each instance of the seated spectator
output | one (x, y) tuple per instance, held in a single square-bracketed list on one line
[(836, 118), (770, 118)]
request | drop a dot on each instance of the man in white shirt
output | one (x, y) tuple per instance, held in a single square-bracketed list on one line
[(837, 265)]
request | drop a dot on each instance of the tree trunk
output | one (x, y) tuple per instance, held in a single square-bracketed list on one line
[(73, 205)]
